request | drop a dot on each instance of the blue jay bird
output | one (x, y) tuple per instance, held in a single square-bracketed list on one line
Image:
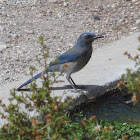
[(72, 60)]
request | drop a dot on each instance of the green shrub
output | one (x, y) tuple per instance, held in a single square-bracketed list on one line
[(131, 80)]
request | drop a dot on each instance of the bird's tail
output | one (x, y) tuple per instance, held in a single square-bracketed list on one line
[(30, 80), (51, 69)]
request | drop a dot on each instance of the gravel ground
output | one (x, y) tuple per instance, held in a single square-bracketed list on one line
[(61, 22)]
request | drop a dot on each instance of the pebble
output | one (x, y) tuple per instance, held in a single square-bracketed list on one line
[(53, 1), (1, 28), (134, 28), (113, 5), (96, 17), (6, 77), (29, 31), (2, 47), (15, 36), (138, 21), (107, 8), (134, 0), (65, 4), (60, 14)]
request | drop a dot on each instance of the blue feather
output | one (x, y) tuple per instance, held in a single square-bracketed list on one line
[(30, 80), (68, 56)]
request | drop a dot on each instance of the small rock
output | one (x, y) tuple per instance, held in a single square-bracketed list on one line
[(96, 17), (53, 1), (107, 8), (1, 28), (17, 46), (134, 0), (134, 28), (6, 77), (114, 5), (35, 1), (100, 7), (15, 36), (2, 47), (138, 22), (65, 4), (29, 31), (60, 14), (49, 12)]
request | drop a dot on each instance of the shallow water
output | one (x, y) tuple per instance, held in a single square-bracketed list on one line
[(114, 109)]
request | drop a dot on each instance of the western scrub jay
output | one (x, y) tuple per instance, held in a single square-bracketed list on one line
[(72, 60)]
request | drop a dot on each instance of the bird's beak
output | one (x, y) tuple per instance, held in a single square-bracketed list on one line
[(98, 36)]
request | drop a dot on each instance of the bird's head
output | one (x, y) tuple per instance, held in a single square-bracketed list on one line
[(88, 38)]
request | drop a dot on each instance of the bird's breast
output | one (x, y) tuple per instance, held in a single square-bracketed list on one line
[(79, 63)]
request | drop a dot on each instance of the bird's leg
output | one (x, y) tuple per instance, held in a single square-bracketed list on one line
[(71, 83), (70, 80)]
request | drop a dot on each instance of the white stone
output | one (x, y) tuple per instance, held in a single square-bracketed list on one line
[(2, 47), (65, 4), (29, 31), (134, 0), (138, 22), (53, 1), (134, 28)]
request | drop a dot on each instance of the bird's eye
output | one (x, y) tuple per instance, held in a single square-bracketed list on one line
[(88, 36)]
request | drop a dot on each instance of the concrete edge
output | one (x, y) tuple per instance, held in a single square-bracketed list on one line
[(94, 93)]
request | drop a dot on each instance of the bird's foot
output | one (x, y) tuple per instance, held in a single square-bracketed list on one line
[(76, 86), (81, 92)]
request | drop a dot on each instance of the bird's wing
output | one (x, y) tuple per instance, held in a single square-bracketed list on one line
[(68, 56)]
